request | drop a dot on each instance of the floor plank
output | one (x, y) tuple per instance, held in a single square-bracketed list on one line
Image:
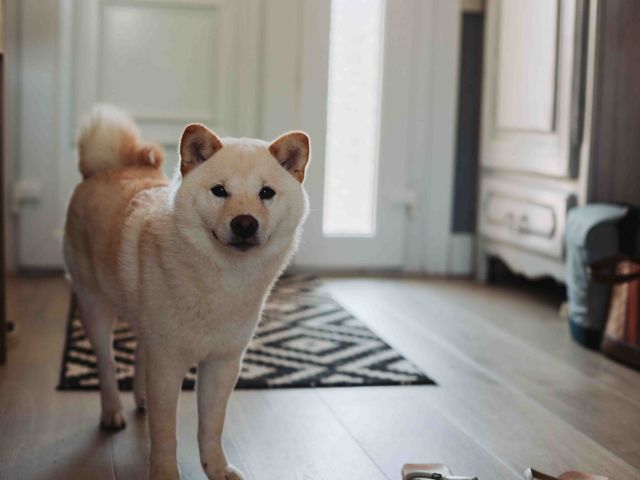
[(408, 429), (131, 446), (46, 434), (523, 434), (291, 434), (532, 320)]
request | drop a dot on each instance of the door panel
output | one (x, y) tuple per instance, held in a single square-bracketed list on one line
[(185, 65), (39, 234), (529, 93), (527, 63), (194, 61), (381, 243)]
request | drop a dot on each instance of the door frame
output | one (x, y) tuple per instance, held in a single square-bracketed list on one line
[(432, 247)]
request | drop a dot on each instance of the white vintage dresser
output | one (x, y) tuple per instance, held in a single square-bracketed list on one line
[(557, 109)]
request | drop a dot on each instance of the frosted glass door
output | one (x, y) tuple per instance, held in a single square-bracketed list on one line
[(358, 202)]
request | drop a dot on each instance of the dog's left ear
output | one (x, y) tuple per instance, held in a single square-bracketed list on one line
[(292, 151), (197, 145)]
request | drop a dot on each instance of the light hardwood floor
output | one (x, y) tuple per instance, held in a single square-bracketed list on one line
[(513, 392)]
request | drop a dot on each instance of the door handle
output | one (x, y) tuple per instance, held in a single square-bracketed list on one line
[(405, 197)]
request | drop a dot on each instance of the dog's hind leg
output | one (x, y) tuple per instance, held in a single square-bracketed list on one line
[(139, 380), (98, 319)]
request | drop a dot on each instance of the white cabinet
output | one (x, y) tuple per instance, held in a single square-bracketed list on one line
[(531, 131)]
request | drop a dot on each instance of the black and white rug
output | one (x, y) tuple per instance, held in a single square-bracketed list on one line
[(305, 339)]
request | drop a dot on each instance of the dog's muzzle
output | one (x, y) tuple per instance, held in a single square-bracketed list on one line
[(244, 229)]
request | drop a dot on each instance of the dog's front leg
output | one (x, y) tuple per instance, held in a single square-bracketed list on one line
[(164, 374), (216, 379)]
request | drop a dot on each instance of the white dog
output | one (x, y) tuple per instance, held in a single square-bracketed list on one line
[(188, 263)]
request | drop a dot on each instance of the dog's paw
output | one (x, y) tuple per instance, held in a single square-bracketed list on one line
[(140, 398), (226, 473), (164, 472), (141, 407), (112, 422)]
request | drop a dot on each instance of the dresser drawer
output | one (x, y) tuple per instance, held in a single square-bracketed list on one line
[(525, 215)]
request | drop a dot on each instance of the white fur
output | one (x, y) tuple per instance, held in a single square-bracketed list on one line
[(101, 139), (190, 297)]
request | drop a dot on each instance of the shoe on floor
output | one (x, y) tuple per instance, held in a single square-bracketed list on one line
[(414, 471), (532, 474)]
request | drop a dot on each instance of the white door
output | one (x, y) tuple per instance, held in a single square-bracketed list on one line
[(167, 62), (355, 87)]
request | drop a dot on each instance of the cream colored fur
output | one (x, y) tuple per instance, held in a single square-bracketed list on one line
[(161, 255)]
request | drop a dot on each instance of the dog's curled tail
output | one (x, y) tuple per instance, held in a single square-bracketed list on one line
[(109, 139)]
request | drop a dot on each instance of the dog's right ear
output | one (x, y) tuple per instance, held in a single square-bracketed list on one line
[(197, 145)]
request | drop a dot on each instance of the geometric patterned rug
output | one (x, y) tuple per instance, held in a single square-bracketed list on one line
[(305, 339)]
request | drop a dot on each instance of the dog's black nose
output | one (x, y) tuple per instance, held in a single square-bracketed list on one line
[(244, 226)]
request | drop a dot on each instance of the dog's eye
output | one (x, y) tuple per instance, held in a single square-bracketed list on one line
[(219, 191), (266, 193)]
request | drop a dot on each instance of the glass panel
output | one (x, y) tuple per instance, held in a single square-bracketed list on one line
[(353, 110)]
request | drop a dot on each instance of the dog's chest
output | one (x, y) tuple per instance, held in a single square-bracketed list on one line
[(210, 318)]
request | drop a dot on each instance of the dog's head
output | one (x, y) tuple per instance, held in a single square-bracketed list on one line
[(241, 194)]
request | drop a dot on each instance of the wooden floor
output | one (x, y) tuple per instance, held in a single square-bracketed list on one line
[(513, 392)]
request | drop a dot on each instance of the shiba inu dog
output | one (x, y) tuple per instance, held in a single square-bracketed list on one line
[(188, 263)]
